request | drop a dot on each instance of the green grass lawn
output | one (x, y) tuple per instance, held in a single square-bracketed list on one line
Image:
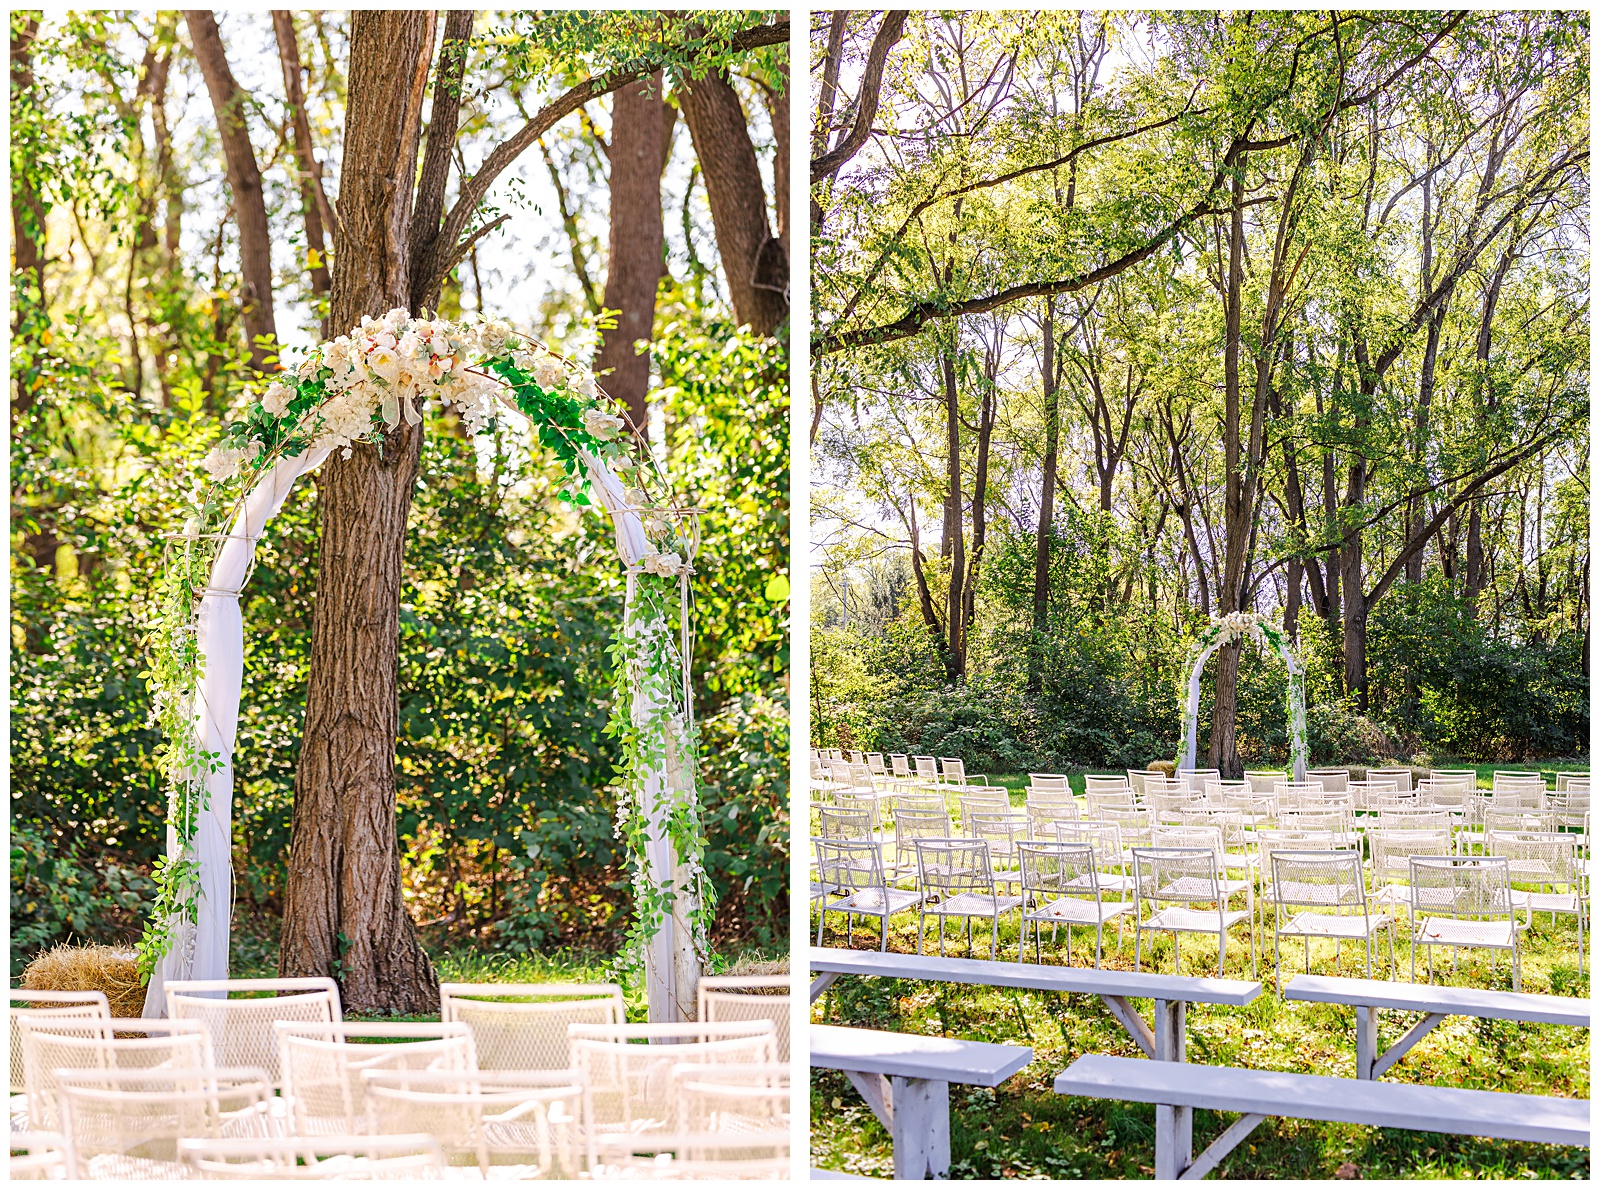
[(1022, 1129)]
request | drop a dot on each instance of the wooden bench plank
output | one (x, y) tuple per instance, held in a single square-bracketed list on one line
[(1450, 1001), (1035, 977), (907, 1055), (1497, 1114)]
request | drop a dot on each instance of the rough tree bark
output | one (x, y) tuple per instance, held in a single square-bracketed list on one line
[(754, 262), (633, 268), (954, 544), (344, 911), (244, 181), (312, 199)]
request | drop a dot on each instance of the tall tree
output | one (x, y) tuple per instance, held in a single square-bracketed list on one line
[(633, 268), (229, 101), (315, 211), (755, 263)]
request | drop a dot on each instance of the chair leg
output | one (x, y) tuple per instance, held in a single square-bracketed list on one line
[(822, 918), (883, 939)]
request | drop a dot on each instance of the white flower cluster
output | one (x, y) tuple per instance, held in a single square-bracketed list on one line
[(224, 462), (664, 564), (384, 365)]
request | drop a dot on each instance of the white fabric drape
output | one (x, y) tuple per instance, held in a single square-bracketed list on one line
[(200, 951)]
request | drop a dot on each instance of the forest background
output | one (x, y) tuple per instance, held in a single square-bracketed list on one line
[(1125, 321), (174, 203)]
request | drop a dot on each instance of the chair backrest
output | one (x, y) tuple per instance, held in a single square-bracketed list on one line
[(322, 1064), (923, 801), (954, 866), (1334, 819), (44, 1005), (1502, 821), (1003, 831), (240, 1013), (628, 1068), (844, 822), (850, 863), (748, 998), (1333, 780), (316, 1158), (927, 768), (1057, 869), (1476, 887), (53, 1045), (1547, 858), (497, 1118), (1136, 779), (1109, 798), (1218, 790), (919, 824), (523, 1026), (1401, 777), (1133, 825), (1195, 779), (1270, 840), (856, 756), (1041, 813), (982, 803), (1160, 794), (1515, 776), (1185, 837), (1412, 819), (1564, 780), (955, 770), (1055, 783), (899, 764), (126, 1124), (875, 764), (1104, 837), (1324, 879), (1181, 874), (1262, 780), (1391, 849)]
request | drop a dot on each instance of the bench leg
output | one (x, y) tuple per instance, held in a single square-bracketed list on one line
[(1220, 1148), (921, 1128), (1366, 1040), (1176, 1123)]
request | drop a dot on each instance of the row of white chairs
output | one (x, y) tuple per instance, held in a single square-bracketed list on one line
[(558, 1058), (1175, 888)]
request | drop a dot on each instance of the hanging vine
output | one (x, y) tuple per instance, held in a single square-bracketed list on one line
[(355, 388)]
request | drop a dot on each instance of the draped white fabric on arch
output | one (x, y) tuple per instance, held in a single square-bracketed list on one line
[(201, 951)]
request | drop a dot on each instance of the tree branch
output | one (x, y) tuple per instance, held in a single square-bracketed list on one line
[(890, 32), (445, 249)]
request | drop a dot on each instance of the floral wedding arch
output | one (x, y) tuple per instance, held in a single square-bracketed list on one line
[(1266, 634), (351, 390)]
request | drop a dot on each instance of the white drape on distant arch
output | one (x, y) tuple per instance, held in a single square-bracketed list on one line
[(200, 951)]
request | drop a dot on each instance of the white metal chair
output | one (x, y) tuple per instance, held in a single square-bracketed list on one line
[(43, 1006), (1329, 890), (124, 1125), (508, 1123), (955, 879), (323, 1065), (913, 824), (927, 770), (56, 1044), (240, 1013), (523, 1026), (1548, 860), (628, 1068), (1459, 901), (1402, 777), (1061, 887), (359, 1158), (1391, 851), (1263, 780), (726, 998), (1178, 878), (852, 874), (1333, 780), (1004, 832)]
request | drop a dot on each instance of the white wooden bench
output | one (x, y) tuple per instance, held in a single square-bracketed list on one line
[(1367, 996), (905, 1079), (1172, 993), (1262, 1093)]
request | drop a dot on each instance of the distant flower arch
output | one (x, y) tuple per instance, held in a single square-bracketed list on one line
[(1226, 630)]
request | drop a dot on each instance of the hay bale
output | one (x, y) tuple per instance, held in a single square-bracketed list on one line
[(748, 965), (1165, 767), (107, 969)]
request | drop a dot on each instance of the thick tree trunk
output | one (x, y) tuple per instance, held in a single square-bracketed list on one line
[(311, 197), (27, 210), (754, 262), (228, 100), (1222, 751), (1047, 490), (633, 266), (344, 911), (980, 527)]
